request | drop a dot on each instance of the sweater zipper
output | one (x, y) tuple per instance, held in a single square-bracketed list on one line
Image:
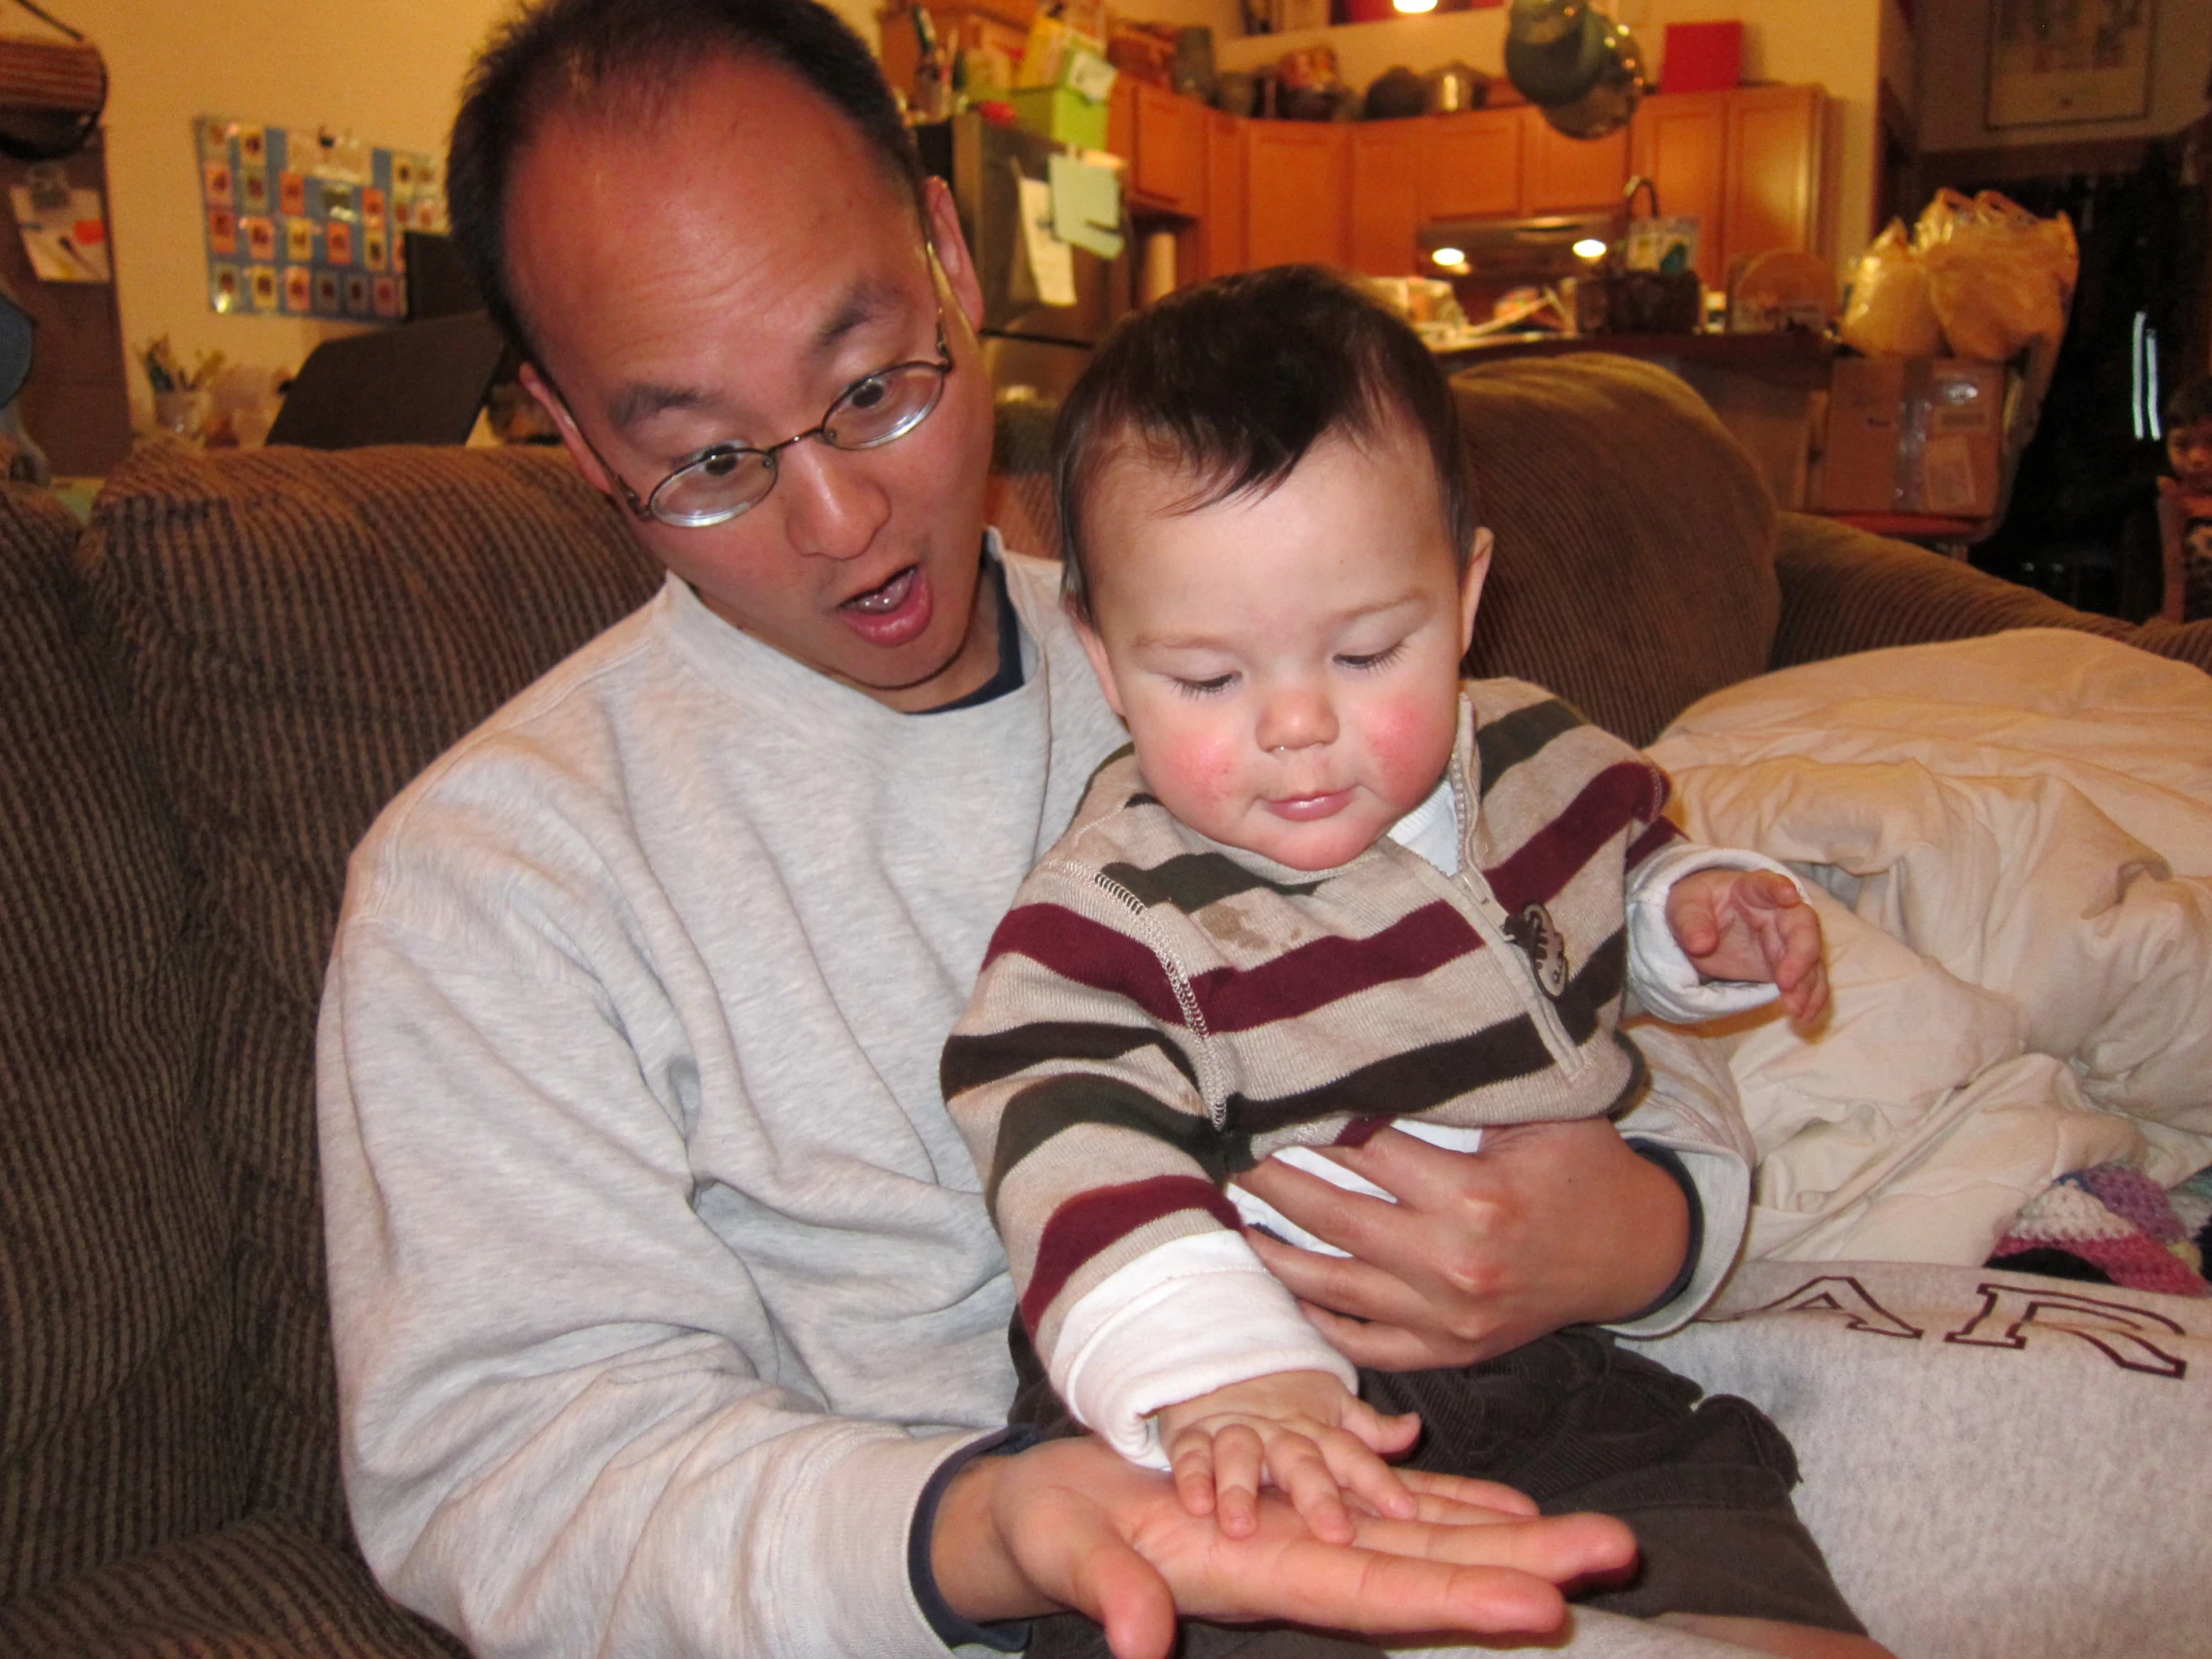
[(1491, 922)]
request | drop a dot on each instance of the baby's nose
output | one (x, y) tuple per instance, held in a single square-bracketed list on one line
[(1297, 718)]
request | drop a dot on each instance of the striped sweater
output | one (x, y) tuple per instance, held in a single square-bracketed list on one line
[(1158, 1012)]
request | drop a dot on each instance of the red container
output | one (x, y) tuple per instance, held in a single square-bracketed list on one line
[(1362, 11), (1702, 57)]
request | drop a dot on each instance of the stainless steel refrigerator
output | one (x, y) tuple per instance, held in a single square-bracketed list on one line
[(1025, 343)]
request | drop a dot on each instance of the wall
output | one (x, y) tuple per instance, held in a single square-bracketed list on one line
[(1838, 43), (1955, 59), (387, 71)]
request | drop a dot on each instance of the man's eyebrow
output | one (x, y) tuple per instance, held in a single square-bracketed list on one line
[(635, 405), (869, 300)]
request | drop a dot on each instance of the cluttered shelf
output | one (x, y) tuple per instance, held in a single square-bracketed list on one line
[(1796, 357)]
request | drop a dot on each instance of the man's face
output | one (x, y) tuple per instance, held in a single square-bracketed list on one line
[(1287, 664), (720, 270), (2190, 450)]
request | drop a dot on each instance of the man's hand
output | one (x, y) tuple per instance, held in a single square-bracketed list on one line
[(1550, 1223), (1070, 1524), (1313, 1439), (1751, 924)]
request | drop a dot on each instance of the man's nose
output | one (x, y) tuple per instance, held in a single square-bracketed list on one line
[(833, 507), (1296, 717)]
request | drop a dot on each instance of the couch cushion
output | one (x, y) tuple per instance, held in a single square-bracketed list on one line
[(1635, 539), (1845, 591), (114, 1295), (303, 632), (255, 1591)]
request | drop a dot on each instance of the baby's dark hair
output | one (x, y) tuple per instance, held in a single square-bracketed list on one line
[(2190, 405), (1235, 380)]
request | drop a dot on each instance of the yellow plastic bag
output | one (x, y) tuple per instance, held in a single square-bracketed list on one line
[(1998, 275), (1890, 314)]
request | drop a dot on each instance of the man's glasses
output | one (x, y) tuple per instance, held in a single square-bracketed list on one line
[(730, 478)]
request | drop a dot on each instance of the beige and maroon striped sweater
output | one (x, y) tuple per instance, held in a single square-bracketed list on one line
[(1158, 1012)]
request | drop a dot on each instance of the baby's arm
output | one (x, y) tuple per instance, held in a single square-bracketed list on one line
[(1305, 1432), (1752, 926)]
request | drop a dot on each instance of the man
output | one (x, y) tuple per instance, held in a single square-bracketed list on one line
[(668, 1314)]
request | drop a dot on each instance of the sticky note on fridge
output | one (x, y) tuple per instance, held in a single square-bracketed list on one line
[(1086, 206), (1051, 261)]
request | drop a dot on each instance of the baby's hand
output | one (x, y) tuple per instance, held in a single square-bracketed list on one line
[(1306, 1433), (1751, 924)]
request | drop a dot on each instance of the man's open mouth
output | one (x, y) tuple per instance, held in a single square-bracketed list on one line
[(882, 601)]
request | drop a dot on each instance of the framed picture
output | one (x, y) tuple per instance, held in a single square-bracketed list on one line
[(2054, 61)]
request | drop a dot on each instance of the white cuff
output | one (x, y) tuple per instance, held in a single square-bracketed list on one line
[(1196, 1314), (1660, 974)]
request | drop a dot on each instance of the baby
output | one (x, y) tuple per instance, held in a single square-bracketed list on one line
[(1332, 889)]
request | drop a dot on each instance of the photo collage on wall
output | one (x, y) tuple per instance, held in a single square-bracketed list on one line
[(301, 223)]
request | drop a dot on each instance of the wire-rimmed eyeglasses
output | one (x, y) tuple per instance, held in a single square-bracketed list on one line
[(730, 478)]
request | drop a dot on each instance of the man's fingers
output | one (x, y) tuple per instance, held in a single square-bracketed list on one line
[(1554, 1549), (1457, 1500), (1119, 1588)]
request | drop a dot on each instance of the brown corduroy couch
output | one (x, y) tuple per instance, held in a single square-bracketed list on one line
[(212, 691)]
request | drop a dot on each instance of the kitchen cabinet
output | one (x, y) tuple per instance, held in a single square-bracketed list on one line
[(1221, 227), (1384, 203), (1746, 163), (1563, 175), (1296, 175), (1471, 164), (1161, 136)]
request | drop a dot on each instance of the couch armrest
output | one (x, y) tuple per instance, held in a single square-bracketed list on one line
[(1844, 590)]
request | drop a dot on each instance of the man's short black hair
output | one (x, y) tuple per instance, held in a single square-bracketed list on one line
[(1234, 380), (618, 57), (2190, 405)]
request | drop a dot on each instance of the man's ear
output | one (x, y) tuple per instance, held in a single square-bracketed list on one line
[(1471, 585), (565, 423), (945, 240), (1095, 649)]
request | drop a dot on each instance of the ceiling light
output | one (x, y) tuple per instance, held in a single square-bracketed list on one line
[(1414, 5), (1589, 248), (1450, 256)]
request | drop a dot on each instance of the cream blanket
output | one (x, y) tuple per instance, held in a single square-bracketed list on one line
[(2013, 842)]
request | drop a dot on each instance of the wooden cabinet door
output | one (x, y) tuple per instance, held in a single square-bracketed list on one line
[(1294, 193), (1385, 197), (1121, 125), (1471, 164), (1222, 223), (1773, 171), (1566, 174), (1681, 146), (1169, 170)]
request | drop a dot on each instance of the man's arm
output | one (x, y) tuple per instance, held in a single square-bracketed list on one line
[(561, 1429)]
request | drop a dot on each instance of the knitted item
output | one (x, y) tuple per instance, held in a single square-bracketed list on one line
[(2116, 1225)]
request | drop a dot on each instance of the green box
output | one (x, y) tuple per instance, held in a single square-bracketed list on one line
[(1061, 113)]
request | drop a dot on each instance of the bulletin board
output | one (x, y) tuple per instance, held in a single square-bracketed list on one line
[(302, 223)]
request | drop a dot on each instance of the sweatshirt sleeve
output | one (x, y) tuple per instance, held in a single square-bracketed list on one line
[(560, 1428), (1082, 1090), (1661, 979)]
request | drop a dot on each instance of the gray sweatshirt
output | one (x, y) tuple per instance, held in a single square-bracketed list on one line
[(661, 1279)]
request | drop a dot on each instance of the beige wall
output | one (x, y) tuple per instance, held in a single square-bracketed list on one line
[(387, 71), (1955, 53), (1838, 43)]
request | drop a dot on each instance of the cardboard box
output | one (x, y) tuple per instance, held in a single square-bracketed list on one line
[(1702, 57), (1061, 113), (1914, 435)]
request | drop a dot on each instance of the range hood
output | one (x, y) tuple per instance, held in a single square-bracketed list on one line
[(1517, 251)]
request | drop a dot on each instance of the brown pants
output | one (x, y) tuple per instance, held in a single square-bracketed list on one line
[(1578, 1423)]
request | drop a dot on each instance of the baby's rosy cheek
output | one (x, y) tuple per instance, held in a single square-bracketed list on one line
[(1411, 742)]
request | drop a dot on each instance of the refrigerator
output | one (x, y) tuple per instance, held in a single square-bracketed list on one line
[(1026, 343)]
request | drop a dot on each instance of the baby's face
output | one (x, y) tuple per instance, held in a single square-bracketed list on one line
[(2190, 450), (1287, 664)]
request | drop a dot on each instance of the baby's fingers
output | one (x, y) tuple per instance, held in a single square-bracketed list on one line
[(1307, 1478), (1357, 1470)]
